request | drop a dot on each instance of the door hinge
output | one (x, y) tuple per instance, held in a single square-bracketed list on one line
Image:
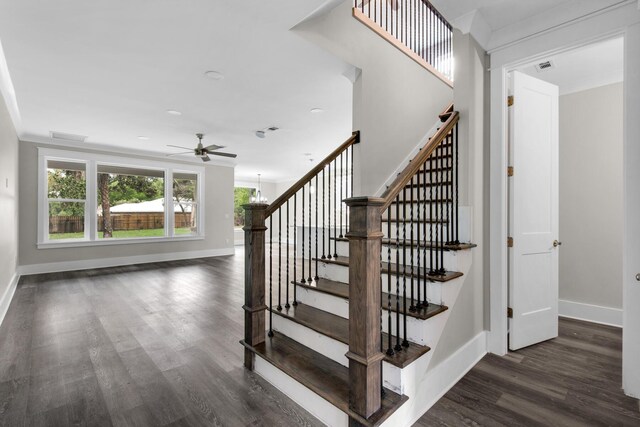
[(510, 171), (510, 312), (509, 100), (509, 242)]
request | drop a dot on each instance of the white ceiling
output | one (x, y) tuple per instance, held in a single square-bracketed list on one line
[(591, 66), (109, 69)]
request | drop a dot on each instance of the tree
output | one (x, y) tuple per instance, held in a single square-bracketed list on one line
[(66, 184), (242, 196), (103, 190), (184, 194)]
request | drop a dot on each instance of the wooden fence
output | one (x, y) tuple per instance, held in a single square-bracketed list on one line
[(120, 221)]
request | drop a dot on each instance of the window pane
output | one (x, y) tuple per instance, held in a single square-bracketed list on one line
[(242, 196), (185, 203), (66, 180), (66, 220), (130, 202)]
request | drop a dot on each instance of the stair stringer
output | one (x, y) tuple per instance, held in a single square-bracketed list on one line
[(421, 382)]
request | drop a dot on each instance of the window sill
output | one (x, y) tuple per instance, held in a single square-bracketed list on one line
[(109, 242)]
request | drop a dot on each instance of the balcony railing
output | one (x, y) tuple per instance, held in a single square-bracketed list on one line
[(417, 25)]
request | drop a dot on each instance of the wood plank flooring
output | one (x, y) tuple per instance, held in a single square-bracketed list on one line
[(145, 345), (573, 380), (157, 344)]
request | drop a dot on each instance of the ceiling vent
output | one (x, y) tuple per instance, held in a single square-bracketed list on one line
[(67, 136), (544, 66)]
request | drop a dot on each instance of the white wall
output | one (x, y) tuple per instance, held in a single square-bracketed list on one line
[(395, 100), (591, 196), (467, 318), (8, 207), (218, 226)]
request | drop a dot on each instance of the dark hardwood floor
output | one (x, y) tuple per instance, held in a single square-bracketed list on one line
[(573, 380), (145, 345), (157, 344)]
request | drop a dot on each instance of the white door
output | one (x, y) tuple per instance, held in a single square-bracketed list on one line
[(533, 211)]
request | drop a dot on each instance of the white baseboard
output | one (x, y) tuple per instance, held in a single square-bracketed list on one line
[(5, 300), (53, 267), (590, 313), (439, 380)]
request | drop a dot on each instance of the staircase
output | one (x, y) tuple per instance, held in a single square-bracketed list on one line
[(347, 296)]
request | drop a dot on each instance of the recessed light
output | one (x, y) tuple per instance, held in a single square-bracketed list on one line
[(260, 133), (307, 154), (317, 110), (174, 112), (144, 138), (214, 75)]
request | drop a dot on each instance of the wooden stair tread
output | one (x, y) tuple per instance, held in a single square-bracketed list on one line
[(427, 184), (337, 327), (341, 290), (325, 377), (428, 245), (393, 269), (420, 221), (408, 202)]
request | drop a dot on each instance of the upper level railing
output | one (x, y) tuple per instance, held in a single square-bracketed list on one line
[(415, 24)]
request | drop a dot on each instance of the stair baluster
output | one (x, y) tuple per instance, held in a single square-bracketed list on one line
[(279, 308), (316, 254), (287, 283), (398, 347), (329, 211), (303, 241), (270, 276), (324, 212)]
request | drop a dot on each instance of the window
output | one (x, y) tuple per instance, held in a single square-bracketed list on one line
[(87, 199), (130, 202), (241, 196), (185, 203), (66, 199)]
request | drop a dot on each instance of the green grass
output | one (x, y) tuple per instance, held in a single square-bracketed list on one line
[(122, 234)]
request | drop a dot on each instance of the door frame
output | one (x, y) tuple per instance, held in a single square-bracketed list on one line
[(498, 191)]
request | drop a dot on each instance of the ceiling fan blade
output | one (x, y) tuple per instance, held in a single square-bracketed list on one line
[(177, 146), (205, 158), (177, 154), (213, 147), (224, 154)]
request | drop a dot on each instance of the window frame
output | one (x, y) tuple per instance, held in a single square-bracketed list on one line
[(91, 161)]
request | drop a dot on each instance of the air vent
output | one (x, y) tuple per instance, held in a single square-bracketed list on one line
[(273, 128), (544, 66), (67, 136)]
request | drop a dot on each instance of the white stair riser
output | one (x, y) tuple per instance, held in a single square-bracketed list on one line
[(426, 193), (340, 273), (326, 302), (340, 306), (415, 233), (331, 348), (422, 332), (450, 258)]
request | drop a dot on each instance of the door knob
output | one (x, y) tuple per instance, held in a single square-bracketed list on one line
[(556, 243)]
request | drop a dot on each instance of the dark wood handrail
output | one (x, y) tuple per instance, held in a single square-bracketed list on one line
[(354, 139), (407, 174)]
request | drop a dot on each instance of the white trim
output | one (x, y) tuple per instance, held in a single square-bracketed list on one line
[(53, 267), (590, 313), (5, 301), (92, 161), (9, 93), (74, 243), (497, 335)]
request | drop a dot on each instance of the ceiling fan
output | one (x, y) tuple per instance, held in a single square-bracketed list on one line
[(201, 151)]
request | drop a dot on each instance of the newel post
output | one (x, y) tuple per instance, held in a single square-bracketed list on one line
[(254, 281), (365, 357)]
